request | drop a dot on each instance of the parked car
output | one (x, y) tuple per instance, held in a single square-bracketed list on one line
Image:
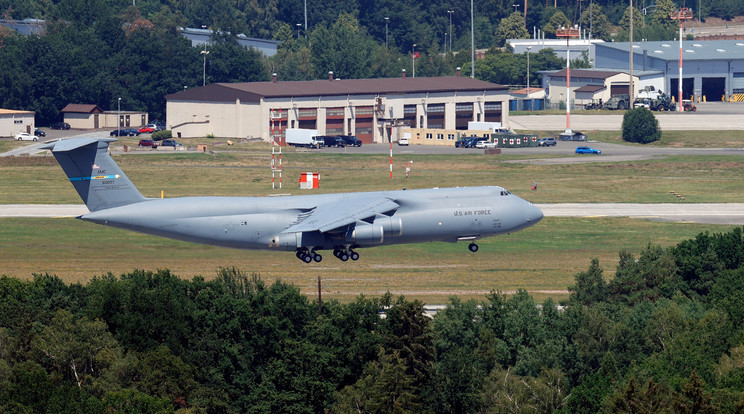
[(403, 142), (146, 130), (131, 132), (147, 143), (472, 142), (25, 136), (486, 144), (59, 125), (351, 140), (170, 143), (546, 142), (332, 140), (573, 136), (587, 150), (39, 133)]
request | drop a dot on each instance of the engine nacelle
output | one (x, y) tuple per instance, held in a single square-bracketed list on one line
[(375, 233)]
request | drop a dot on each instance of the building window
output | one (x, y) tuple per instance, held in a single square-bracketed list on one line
[(464, 107), (18, 121), (409, 110), (364, 110), (492, 106), (440, 137), (429, 135), (307, 113), (450, 137), (435, 108), (335, 112)]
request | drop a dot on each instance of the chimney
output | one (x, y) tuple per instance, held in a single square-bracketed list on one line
[(403, 73), (330, 75), (273, 77), (458, 71)]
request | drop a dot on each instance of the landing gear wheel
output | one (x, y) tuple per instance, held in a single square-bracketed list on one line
[(307, 258), (473, 247), (298, 254), (343, 256), (317, 258), (354, 255)]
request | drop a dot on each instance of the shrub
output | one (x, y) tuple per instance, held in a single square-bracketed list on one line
[(161, 135), (641, 126)]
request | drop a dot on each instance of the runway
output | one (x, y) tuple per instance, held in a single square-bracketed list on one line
[(711, 213)]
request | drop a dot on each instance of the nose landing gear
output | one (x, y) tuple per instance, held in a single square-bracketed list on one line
[(473, 247)]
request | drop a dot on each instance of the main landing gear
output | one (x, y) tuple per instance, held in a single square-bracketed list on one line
[(345, 254), (308, 256), (473, 247)]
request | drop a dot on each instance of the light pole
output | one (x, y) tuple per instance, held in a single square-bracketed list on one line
[(204, 53), (387, 19), (528, 73), (413, 59), (472, 42), (118, 120), (681, 15), (305, 19), (568, 33), (298, 29), (450, 29)]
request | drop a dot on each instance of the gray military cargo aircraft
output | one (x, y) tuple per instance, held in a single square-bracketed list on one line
[(304, 224)]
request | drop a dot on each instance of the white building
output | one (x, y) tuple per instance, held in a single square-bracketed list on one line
[(12, 122), (367, 108)]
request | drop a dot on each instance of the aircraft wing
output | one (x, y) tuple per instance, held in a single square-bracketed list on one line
[(330, 216)]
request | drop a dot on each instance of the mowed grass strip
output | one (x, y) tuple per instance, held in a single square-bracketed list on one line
[(700, 179), (542, 259)]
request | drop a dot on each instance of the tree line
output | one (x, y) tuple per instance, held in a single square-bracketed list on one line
[(97, 51), (665, 334)]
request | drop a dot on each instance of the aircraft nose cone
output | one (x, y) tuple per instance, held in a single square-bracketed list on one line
[(533, 214)]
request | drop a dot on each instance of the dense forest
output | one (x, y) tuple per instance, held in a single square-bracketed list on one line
[(97, 51), (665, 334)]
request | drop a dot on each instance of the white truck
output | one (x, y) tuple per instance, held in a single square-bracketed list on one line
[(303, 138)]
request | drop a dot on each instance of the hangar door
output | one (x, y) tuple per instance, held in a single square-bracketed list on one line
[(687, 87), (714, 89)]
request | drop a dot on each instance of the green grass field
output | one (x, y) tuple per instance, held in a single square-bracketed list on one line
[(542, 259)]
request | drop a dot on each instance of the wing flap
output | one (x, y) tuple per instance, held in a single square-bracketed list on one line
[(331, 216)]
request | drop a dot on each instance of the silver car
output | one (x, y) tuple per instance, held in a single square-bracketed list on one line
[(25, 136)]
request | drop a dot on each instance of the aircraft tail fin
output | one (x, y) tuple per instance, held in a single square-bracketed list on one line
[(95, 175)]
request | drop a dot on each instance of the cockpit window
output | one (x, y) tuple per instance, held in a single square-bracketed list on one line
[(505, 192)]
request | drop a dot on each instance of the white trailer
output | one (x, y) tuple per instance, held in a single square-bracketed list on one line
[(297, 137), (484, 126)]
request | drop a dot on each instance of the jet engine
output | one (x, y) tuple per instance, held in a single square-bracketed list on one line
[(375, 232)]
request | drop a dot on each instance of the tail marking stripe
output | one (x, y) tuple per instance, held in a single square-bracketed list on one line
[(94, 177)]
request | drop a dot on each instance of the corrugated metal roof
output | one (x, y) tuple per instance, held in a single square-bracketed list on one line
[(254, 91), (82, 108), (692, 49), (586, 73)]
